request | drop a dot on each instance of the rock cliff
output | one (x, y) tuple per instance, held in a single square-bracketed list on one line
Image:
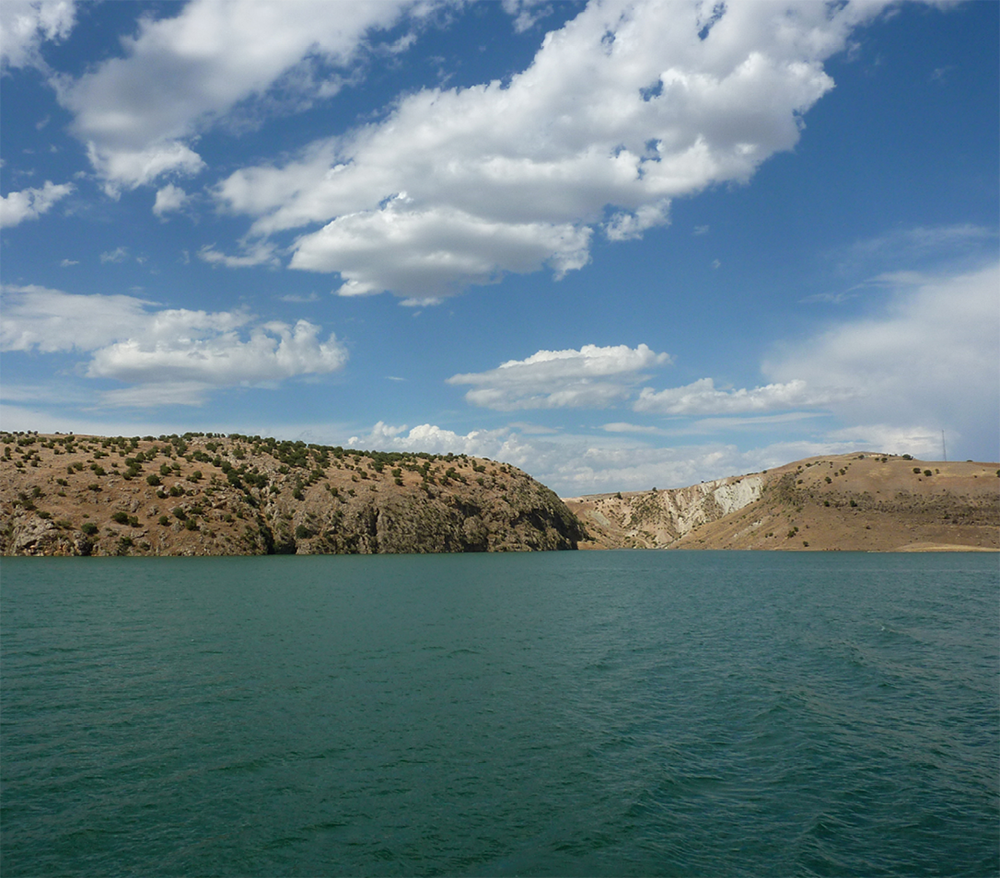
[(244, 495)]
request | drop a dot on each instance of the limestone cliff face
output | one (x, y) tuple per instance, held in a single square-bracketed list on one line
[(655, 519), (212, 495)]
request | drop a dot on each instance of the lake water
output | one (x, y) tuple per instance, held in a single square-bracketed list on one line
[(590, 713)]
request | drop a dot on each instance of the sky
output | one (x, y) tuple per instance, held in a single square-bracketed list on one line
[(620, 245)]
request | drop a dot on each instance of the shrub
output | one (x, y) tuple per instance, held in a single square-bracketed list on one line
[(89, 528), (927, 472), (163, 520), (153, 480), (120, 518)]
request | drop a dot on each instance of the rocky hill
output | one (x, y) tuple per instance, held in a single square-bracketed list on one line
[(861, 502), (204, 494)]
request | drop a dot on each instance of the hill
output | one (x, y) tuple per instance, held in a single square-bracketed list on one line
[(205, 494), (860, 502)]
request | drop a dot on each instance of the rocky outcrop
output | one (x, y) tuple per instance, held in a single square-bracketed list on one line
[(242, 495), (658, 518)]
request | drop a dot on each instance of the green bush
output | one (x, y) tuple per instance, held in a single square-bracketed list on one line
[(89, 528), (153, 480), (120, 518)]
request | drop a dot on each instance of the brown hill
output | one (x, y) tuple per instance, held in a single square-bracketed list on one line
[(243, 495), (858, 502)]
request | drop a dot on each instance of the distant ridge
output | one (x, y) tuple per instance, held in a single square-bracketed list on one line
[(850, 502), (205, 494)]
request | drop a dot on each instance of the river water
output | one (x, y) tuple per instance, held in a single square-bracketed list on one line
[(587, 713)]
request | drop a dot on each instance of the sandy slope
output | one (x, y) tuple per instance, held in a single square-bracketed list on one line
[(867, 502)]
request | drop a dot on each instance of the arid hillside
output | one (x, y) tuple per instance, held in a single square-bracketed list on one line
[(244, 495), (859, 502)]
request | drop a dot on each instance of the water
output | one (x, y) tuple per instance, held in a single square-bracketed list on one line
[(613, 713)]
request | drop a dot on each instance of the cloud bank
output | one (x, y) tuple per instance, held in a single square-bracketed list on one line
[(929, 359), (629, 105), (172, 355)]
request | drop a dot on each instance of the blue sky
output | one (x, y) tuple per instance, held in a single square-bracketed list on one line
[(620, 245)]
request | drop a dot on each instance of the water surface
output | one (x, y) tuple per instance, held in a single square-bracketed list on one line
[(592, 713)]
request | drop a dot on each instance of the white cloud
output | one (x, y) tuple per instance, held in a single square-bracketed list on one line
[(161, 393), (30, 204), (139, 114), (427, 254), (25, 24), (929, 359), (573, 465), (119, 254), (702, 398), (593, 377), (176, 354), (37, 318), (623, 109), (921, 442), (913, 244), (137, 167), (170, 198), (526, 12), (261, 253), (273, 352)]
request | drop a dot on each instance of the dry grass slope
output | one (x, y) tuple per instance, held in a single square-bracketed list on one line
[(204, 494), (850, 502)]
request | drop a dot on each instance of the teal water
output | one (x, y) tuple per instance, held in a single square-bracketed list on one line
[(598, 713)]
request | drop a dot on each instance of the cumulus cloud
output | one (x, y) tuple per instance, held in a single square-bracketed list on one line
[(929, 359), (181, 75), (30, 204), (702, 398), (169, 199), (273, 352), (629, 105), (176, 353), (25, 24), (593, 377)]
